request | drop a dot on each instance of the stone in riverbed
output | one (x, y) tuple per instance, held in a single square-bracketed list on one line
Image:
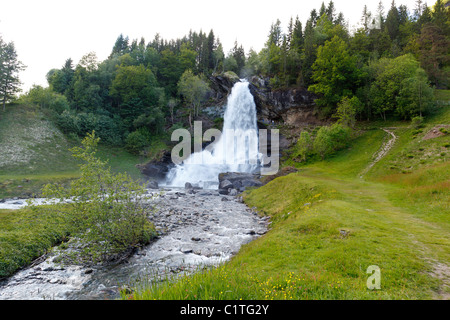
[(237, 181), (152, 185), (225, 184)]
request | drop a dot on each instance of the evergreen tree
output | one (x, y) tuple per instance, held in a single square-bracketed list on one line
[(120, 47), (331, 12), (297, 39), (434, 48), (379, 20), (10, 67), (393, 22), (322, 10), (238, 54), (366, 19)]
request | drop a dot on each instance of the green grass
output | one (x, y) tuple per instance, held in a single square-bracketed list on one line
[(24, 237), (329, 225), (442, 95)]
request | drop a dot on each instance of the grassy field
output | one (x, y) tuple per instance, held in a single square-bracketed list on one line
[(329, 226)]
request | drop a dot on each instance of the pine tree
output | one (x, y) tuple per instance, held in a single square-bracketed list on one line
[(331, 12), (366, 18), (297, 39), (379, 21), (9, 69), (393, 21), (120, 47)]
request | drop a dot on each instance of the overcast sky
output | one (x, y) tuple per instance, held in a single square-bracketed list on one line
[(47, 32)]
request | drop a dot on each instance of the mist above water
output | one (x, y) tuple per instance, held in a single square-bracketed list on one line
[(235, 151)]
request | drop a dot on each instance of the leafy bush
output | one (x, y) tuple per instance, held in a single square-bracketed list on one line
[(304, 146), (68, 122), (108, 129), (327, 140), (417, 122), (46, 98), (347, 110), (138, 140), (340, 135), (106, 214), (323, 145)]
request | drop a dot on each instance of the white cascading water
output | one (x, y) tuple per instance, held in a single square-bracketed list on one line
[(235, 151)]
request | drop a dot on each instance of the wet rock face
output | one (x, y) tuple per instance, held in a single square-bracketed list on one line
[(195, 229), (221, 86), (157, 170), (281, 104), (290, 105)]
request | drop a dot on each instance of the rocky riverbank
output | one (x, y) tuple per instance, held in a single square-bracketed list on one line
[(196, 228)]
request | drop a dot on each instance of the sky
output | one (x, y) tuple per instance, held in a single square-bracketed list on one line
[(48, 32)]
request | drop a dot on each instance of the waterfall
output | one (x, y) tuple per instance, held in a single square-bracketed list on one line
[(235, 151)]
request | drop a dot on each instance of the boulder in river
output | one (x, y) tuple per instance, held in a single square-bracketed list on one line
[(237, 181), (152, 185)]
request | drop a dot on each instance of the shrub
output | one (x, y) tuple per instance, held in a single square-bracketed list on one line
[(105, 213), (68, 122), (323, 144), (138, 140), (417, 122), (340, 135), (347, 110), (330, 139), (304, 146)]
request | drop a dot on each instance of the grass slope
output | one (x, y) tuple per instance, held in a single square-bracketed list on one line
[(329, 226), (34, 152)]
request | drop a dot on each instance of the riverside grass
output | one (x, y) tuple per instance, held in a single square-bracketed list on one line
[(329, 225)]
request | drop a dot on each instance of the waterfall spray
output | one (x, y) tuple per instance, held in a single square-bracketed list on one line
[(236, 150)]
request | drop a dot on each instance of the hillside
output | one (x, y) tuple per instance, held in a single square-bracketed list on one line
[(35, 152), (330, 225)]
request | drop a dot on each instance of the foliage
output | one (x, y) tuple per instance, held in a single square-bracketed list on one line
[(104, 210), (194, 90), (347, 110), (46, 99), (389, 75), (138, 140), (331, 139), (304, 146), (109, 129), (335, 73), (10, 67), (415, 95)]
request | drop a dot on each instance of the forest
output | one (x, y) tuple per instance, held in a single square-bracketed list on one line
[(387, 68)]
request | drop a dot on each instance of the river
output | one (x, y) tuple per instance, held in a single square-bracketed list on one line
[(197, 228)]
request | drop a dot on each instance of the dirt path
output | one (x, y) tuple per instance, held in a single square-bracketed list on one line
[(382, 151)]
